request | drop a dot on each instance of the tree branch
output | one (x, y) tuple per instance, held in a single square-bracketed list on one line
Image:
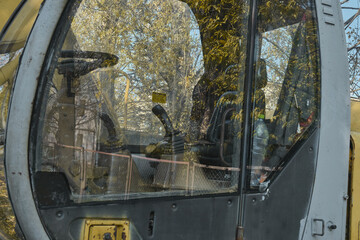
[(351, 8), (354, 46), (350, 20)]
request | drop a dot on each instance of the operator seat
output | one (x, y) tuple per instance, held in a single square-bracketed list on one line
[(217, 146)]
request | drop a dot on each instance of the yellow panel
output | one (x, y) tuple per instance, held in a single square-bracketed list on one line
[(7, 7), (100, 229), (102, 232), (355, 115), (17, 33), (355, 189), (354, 200), (159, 97)]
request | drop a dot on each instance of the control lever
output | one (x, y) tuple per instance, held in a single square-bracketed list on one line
[(160, 112), (173, 145), (173, 138)]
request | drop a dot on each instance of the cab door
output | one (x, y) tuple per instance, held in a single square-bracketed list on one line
[(134, 128)]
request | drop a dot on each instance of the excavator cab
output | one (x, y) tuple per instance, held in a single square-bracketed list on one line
[(175, 120)]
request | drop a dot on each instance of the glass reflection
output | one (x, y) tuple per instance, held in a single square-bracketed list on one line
[(287, 86), (145, 100)]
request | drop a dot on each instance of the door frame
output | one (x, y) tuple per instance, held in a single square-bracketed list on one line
[(18, 128)]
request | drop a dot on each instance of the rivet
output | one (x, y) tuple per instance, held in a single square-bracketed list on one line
[(59, 214)]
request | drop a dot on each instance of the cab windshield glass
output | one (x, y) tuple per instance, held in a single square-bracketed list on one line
[(144, 99)]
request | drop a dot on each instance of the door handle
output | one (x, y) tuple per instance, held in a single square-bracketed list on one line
[(315, 227)]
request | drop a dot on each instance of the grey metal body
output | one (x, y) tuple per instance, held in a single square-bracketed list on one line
[(281, 213), (17, 134), (328, 201), (304, 199)]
